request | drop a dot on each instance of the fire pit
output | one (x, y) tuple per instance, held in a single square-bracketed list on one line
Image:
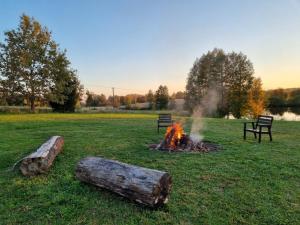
[(177, 141)]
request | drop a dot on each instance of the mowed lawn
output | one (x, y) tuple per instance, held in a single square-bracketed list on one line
[(245, 183)]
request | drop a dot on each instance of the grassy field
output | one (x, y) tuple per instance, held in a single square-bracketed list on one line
[(245, 183)]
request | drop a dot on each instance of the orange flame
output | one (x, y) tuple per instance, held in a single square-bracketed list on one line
[(174, 134)]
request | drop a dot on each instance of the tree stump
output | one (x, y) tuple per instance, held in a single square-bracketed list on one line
[(146, 186), (41, 160)]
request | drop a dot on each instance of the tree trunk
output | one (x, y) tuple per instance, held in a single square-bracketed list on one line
[(146, 186), (32, 106), (40, 161)]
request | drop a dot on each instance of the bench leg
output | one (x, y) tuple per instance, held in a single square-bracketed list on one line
[(270, 134), (254, 135), (244, 134), (259, 135), (158, 129)]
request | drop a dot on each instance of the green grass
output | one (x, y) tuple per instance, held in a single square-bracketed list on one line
[(245, 183)]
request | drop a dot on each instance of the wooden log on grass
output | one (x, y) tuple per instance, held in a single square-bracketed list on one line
[(146, 186), (41, 160)]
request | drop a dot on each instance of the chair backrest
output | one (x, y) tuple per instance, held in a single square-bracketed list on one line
[(165, 117), (262, 119)]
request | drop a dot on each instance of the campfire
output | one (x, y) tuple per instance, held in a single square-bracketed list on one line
[(176, 140)]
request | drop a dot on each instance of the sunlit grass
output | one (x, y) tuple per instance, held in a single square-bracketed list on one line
[(245, 183), (71, 116)]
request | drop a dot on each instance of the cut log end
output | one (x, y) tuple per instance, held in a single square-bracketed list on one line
[(163, 190), (41, 160), (146, 186)]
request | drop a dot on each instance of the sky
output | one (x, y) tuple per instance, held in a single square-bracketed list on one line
[(136, 45)]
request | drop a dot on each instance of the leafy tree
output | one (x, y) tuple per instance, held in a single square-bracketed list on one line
[(294, 99), (89, 100), (228, 75), (101, 99), (207, 74), (30, 63), (141, 99), (114, 101), (150, 98), (24, 60), (239, 75), (94, 100), (178, 95), (162, 97), (256, 98), (128, 101)]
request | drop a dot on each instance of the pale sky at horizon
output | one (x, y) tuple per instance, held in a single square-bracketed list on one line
[(138, 45)]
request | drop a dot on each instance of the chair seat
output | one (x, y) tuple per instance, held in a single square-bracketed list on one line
[(257, 131)]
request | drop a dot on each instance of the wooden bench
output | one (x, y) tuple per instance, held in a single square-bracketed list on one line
[(164, 120), (262, 125)]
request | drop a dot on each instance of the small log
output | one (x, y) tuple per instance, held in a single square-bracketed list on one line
[(146, 186), (41, 160)]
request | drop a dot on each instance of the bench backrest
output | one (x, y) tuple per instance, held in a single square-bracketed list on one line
[(261, 119), (165, 117)]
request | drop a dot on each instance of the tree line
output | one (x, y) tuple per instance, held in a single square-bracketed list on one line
[(283, 97), (160, 99)]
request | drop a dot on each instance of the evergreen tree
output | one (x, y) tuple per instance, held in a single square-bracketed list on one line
[(66, 92), (162, 97), (150, 98), (71, 92)]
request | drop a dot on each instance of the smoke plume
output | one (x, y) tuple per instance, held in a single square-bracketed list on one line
[(207, 106)]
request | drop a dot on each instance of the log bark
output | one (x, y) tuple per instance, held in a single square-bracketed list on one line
[(146, 186), (41, 160)]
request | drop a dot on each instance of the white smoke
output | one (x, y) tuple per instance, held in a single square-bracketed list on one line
[(207, 106)]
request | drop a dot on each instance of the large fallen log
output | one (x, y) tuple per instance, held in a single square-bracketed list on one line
[(41, 160), (146, 186)]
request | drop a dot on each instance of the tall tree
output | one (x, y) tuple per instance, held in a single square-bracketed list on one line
[(150, 99), (114, 101), (89, 100), (207, 73), (95, 100), (162, 97), (70, 95), (256, 98), (229, 76), (178, 95), (101, 100), (66, 92), (26, 61), (239, 75)]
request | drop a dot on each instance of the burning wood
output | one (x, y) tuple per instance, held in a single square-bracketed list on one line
[(177, 141)]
